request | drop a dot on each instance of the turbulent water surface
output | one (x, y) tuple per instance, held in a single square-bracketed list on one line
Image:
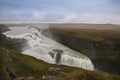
[(47, 49)]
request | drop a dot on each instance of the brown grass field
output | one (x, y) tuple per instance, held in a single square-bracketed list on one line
[(105, 30)]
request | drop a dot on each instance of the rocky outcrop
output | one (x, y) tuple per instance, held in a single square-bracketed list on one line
[(56, 55), (26, 78), (53, 73), (3, 39), (3, 28)]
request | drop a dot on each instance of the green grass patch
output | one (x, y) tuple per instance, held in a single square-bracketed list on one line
[(80, 34), (3, 61), (88, 75)]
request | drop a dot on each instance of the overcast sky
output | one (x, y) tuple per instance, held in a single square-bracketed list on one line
[(83, 11)]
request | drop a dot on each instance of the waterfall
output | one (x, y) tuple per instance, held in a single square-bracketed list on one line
[(47, 49)]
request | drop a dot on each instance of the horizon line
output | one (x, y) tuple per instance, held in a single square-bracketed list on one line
[(21, 22)]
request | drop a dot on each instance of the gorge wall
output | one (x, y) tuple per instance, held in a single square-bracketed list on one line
[(105, 54)]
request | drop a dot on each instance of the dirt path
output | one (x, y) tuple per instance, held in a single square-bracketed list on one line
[(8, 68)]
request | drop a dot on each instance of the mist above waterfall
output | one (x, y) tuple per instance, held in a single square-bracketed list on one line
[(47, 49)]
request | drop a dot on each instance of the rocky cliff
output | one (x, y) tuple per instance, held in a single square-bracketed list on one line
[(101, 47)]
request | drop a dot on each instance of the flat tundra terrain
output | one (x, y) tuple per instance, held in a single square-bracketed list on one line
[(105, 30)]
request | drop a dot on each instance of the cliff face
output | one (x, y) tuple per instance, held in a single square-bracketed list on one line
[(103, 51), (3, 28), (3, 40)]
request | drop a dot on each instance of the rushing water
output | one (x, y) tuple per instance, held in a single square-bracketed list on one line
[(47, 49)]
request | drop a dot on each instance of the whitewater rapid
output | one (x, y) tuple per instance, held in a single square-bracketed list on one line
[(47, 49)]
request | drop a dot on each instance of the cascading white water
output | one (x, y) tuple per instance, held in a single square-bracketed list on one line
[(47, 49)]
